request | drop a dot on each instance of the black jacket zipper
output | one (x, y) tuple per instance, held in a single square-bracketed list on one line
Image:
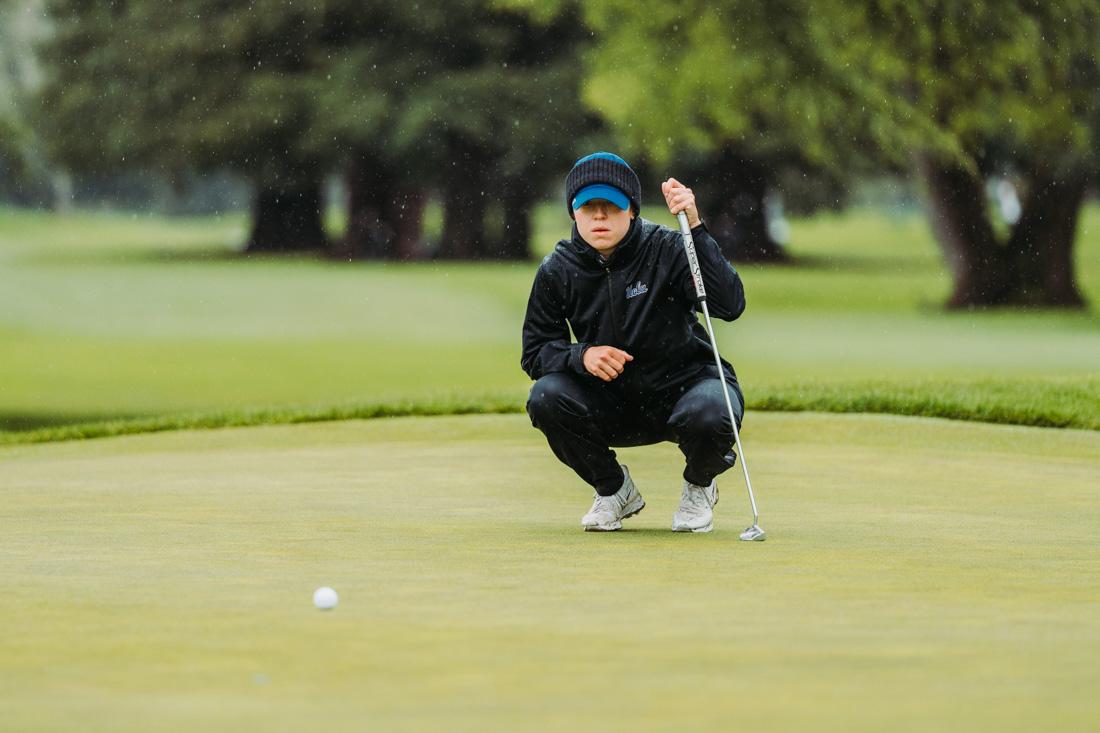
[(611, 309)]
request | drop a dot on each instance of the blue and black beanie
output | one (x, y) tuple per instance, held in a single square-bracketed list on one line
[(602, 176)]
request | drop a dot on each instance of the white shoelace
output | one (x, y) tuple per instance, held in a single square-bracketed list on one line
[(604, 503), (695, 498)]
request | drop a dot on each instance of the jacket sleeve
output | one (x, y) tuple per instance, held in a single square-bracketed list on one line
[(546, 343), (725, 293)]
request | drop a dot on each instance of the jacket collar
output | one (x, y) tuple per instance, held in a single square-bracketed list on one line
[(625, 251)]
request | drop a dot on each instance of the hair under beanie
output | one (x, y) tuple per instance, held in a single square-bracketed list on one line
[(606, 169)]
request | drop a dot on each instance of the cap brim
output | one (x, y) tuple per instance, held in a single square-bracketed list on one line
[(601, 191)]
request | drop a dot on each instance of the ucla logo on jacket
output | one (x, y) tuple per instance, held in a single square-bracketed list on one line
[(638, 288)]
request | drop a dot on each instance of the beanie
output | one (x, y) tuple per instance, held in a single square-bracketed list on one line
[(593, 174)]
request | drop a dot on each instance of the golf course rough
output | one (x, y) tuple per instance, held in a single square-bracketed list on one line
[(919, 574)]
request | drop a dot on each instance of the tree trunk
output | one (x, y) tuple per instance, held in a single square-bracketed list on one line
[(384, 216), (960, 223), (369, 235), (515, 232), (287, 219), (1041, 244), (1035, 266), (408, 217), (733, 207), (464, 200)]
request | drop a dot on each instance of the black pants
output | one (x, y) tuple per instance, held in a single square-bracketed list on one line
[(583, 417)]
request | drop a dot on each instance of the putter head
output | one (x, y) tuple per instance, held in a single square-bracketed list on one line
[(755, 533)]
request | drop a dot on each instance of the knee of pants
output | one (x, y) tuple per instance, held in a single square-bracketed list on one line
[(706, 417), (711, 421), (550, 401)]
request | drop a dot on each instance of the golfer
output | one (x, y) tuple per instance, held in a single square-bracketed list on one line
[(642, 369)]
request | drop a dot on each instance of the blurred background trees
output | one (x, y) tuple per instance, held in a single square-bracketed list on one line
[(735, 91), (475, 102), (1013, 89), (959, 92), (25, 177), (482, 105), (401, 100)]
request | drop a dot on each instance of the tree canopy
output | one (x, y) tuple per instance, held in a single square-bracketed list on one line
[(1012, 89), (22, 169), (411, 97), (480, 96), (958, 90)]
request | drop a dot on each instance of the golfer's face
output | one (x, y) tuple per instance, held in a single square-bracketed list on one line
[(602, 224)]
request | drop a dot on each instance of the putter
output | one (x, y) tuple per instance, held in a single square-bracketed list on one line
[(755, 533)]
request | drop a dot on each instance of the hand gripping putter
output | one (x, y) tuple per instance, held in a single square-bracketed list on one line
[(754, 533)]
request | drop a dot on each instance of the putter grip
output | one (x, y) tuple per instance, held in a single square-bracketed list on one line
[(693, 259)]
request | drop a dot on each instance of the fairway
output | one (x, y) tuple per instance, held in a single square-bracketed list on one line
[(919, 575), (107, 318)]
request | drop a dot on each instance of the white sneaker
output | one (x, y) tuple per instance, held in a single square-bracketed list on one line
[(608, 512), (696, 508)]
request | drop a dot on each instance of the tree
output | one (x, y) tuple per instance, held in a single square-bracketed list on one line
[(958, 90), (365, 56), (466, 98), (196, 85), (23, 174), (1013, 88), (404, 98), (733, 90)]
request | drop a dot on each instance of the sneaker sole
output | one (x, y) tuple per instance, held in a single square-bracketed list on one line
[(700, 530), (615, 527)]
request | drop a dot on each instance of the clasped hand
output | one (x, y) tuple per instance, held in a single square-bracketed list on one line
[(605, 362)]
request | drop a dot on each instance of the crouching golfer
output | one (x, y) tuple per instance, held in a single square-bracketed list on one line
[(642, 370)]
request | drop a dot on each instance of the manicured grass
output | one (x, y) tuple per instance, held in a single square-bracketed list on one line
[(919, 575), (106, 318)]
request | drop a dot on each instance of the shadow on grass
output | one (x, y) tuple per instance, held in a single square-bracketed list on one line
[(726, 534), (662, 532), (16, 422)]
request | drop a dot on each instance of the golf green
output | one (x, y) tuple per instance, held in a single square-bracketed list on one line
[(919, 575)]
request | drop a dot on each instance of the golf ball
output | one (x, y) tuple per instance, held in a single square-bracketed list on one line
[(325, 598)]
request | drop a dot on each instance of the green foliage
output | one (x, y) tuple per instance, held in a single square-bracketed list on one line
[(843, 83), (21, 27), (179, 86), (421, 87), (768, 77), (1021, 75), (270, 87), (12, 161)]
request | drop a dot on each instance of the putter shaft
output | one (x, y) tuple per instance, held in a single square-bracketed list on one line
[(755, 532)]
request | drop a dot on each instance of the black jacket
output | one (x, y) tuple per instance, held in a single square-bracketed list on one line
[(641, 300)]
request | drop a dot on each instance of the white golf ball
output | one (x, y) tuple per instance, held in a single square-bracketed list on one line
[(325, 598)]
